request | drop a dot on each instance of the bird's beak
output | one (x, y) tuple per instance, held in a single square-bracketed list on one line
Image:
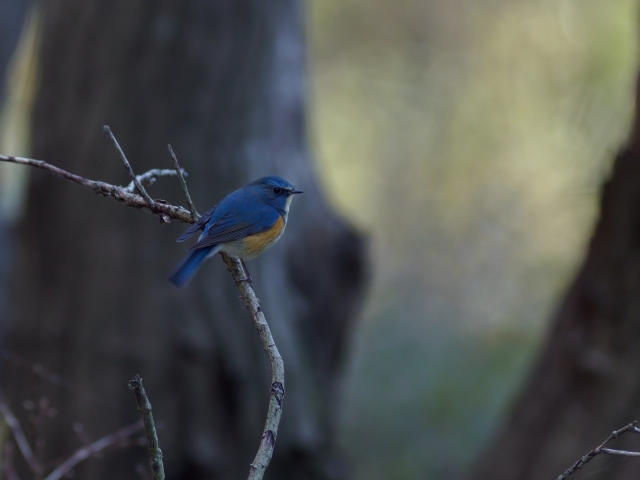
[(295, 192)]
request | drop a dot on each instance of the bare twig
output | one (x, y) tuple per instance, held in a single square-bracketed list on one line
[(119, 193), (93, 448), (149, 178), (270, 432), (267, 443), (183, 184), (21, 439), (144, 407), (107, 131), (632, 427)]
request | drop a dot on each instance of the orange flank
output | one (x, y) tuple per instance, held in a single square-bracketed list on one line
[(254, 245)]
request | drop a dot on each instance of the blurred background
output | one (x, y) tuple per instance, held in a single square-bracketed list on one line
[(468, 141)]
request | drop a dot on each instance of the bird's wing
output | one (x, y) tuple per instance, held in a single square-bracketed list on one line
[(230, 227), (199, 225)]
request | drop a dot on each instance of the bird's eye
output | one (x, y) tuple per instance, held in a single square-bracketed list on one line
[(277, 190)]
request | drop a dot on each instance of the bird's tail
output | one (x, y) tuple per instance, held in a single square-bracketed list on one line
[(188, 267)]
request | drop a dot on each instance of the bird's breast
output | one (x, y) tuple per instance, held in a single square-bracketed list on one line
[(253, 245)]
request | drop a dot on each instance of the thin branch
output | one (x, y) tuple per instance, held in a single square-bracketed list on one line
[(21, 439), (632, 427), (144, 407), (107, 131), (270, 432), (93, 448), (267, 443), (149, 178), (623, 453), (119, 193), (183, 184)]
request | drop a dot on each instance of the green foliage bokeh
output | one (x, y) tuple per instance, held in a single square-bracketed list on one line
[(469, 139)]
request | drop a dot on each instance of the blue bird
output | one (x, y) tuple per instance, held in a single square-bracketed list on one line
[(243, 225)]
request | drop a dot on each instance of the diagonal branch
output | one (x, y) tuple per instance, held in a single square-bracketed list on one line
[(600, 449), (183, 185), (107, 131), (92, 448), (21, 439), (121, 194), (166, 212)]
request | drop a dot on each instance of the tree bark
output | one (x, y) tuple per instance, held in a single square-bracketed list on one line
[(586, 382), (224, 83)]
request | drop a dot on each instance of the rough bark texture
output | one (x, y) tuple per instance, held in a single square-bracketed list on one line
[(586, 382), (223, 82)]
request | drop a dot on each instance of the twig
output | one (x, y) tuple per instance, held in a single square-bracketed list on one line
[(267, 443), (95, 447), (119, 193), (144, 407), (270, 432), (149, 178), (632, 427), (21, 439), (141, 189), (183, 184)]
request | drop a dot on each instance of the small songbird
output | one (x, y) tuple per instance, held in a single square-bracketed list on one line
[(243, 225)]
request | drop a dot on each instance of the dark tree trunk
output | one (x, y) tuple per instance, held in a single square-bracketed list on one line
[(586, 382), (224, 83), (12, 15)]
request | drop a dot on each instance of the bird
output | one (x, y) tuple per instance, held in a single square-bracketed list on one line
[(243, 225)]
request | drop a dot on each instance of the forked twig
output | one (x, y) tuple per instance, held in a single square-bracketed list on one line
[(107, 131), (632, 427), (21, 439), (36, 467), (149, 178), (166, 212), (121, 194)]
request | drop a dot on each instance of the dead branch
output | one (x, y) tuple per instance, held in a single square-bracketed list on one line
[(93, 448), (600, 449), (122, 194), (21, 439), (144, 407), (168, 212)]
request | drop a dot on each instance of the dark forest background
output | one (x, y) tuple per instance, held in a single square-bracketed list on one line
[(455, 294)]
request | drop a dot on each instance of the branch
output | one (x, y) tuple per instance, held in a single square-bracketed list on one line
[(166, 212), (95, 447), (183, 185), (150, 177), (144, 407), (632, 427), (141, 189), (270, 432), (119, 193), (21, 439)]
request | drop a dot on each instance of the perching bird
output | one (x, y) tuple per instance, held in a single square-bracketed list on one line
[(243, 225)]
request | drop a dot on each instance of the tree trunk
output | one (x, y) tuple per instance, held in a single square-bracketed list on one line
[(224, 83), (586, 382), (12, 15)]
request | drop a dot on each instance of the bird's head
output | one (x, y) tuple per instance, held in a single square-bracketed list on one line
[(276, 191)]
